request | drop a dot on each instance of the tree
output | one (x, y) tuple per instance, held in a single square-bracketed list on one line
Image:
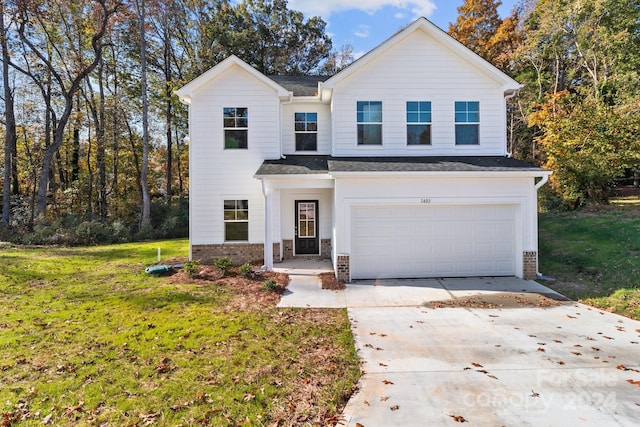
[(146, 196), (10, 136), (62, 54), (476, 26)]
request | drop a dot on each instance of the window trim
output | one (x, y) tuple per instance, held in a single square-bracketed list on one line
[(235, 128), (237, 209), (466, 122), (306, 131), (429, 123), (368, 123)]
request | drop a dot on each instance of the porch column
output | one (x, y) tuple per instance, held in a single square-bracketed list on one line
[(268, 232)]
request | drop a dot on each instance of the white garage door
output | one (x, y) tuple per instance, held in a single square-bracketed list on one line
[(432, 241)]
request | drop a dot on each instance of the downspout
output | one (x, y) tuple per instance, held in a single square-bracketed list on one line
[(537, 186), (290, 101), (268, 239)]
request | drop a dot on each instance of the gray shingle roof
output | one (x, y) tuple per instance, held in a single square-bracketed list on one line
[(300, 85), (302, 165)]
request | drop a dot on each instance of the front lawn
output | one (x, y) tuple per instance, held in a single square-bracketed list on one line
[(86, 338), (595, 256)]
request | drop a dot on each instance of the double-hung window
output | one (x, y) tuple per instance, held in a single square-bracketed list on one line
[(306, 128), (236, 125), (236, 220), (467, 122), (418, 123), (369, 118)]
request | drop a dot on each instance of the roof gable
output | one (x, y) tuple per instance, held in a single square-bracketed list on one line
[(422, 24), (186, 91)]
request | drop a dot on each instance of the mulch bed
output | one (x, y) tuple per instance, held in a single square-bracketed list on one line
[(329, 281)]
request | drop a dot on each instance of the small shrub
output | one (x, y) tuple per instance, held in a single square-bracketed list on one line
[(246, 270), (191, 267), (271, 285), (223, 264)]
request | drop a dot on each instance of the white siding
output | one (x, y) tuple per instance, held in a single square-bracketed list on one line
[(324, 126), (218, 174), (419, 69), (455, 191)]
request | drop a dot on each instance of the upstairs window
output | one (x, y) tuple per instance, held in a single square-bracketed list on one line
[(369, 118), (236, 125), (306, 128), (467, 122), (419, 123), (236, 220)]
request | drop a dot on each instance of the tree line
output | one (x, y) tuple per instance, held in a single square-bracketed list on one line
[(94, 139), (579, 111), (93, 133)]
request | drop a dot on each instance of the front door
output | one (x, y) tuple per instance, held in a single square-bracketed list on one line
[(306, 228)]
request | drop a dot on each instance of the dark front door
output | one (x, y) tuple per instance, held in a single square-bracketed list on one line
[(306, 227)]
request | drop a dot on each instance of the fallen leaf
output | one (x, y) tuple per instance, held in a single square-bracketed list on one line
[(477, 365), (541, 349), (458, 418), (624, 368), (576, 353), (561, 363), (382, 364), (387, 382), (534, 394), (634, 382), (384, 398), (492, 376), (395, 407)]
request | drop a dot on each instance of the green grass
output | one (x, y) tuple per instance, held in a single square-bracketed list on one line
[(595, 256), (86, 338)]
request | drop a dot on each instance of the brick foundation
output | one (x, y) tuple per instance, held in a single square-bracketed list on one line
[(325, 248), (344, 272), (287, 246), (529, 264), (238, 252)]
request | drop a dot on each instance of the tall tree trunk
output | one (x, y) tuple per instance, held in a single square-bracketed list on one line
[(10, 124), (100, 149), (146, 198), (168, 111)]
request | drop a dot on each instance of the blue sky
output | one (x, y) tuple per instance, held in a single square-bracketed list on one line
[(364, 24)]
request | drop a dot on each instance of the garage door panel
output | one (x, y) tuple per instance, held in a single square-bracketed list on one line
[(433, 241)]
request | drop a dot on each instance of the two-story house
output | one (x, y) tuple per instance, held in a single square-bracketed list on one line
[(394, 167)]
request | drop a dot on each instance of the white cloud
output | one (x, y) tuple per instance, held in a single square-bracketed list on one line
[(362, 31), (325, 8), (399, 15)]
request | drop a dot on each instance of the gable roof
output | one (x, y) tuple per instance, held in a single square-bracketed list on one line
[(186, 91), (423, 24)]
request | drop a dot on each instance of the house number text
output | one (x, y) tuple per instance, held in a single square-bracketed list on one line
[(425, 201)]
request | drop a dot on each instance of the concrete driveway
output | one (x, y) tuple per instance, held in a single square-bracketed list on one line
[(530, 364), (482, 351)]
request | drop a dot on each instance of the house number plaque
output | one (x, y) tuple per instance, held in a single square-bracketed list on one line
[(425, 201)]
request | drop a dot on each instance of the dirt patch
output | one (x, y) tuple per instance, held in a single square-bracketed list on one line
[(329, 281), (501, 300)]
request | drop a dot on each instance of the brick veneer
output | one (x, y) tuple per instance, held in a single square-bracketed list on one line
[(344, 273), (287, 246), (325, 249), (530, 264), (238, 252)]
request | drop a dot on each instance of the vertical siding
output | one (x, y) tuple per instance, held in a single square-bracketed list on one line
[(324, 126), (218, 174), (419, 68)]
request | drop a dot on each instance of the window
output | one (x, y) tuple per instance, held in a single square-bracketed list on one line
[(236, 123), (418, 123), (467, 122), (236, 220), (369, 116), (306, 127)]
